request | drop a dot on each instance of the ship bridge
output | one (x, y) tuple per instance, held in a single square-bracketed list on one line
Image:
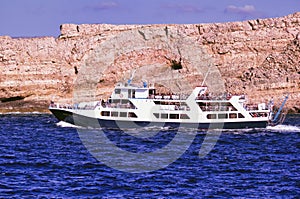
[(127, 91)]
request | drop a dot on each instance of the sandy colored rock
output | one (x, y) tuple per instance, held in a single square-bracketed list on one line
[(260, 58)]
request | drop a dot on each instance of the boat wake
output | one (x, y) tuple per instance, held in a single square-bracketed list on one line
[(284, 128), (277, 128), (67, 125), (272, 129)]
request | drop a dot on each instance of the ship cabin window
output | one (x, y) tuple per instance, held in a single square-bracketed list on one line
[(232, 115), (184, 116), (117, 91), (222, 116), (114, 114), (121, 103), (216, 106), (174, 116), (151, 93), (258, 114), (211, 116), (203, 106), (241, 115), (131, 93), (131, 114), (123, 114), (105, 113), (157, 102), (156, 115), (115, 101), (164, 116)]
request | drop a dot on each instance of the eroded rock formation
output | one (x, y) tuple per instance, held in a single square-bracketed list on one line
[(260, 58)]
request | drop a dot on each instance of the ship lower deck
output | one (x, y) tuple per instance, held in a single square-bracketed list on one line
[(80, 120)]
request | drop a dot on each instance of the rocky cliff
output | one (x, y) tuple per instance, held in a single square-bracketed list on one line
[(260, 58)]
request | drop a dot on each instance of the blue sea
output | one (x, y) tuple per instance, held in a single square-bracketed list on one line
[(43, 158)]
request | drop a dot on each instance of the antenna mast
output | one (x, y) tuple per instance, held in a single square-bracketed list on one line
[(205, 76)]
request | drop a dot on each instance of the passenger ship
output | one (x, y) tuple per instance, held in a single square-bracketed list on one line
[(134, 106)]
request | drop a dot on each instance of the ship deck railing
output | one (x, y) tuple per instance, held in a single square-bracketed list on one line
[(72, 107), (118, 105), (184, 97)]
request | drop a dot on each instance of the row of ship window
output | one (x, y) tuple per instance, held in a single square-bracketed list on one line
[(216, 106), (133, 115), (225, 116), (209, 116), (118, 114), (178, 116)]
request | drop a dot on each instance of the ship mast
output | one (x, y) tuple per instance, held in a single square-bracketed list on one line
[(205, 76), (131, 77)]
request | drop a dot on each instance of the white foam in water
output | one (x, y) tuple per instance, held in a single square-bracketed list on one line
[(284, 128), (65, 124), (278, 128)]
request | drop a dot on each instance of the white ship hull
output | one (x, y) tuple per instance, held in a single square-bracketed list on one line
[(86, 121), (132, 107)]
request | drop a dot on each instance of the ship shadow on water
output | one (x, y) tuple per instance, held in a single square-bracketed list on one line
[(136, 140), (129, 142)]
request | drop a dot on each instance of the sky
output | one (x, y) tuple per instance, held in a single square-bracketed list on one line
[(34, 18)]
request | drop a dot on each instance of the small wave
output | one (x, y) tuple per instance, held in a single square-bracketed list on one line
[(279, 128), (240, 131), (67, 125), (284, 128)]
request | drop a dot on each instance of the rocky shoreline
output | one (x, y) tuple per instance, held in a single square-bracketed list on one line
[(259, 58)]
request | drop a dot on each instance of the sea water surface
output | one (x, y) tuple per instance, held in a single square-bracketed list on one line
[(43, 158)]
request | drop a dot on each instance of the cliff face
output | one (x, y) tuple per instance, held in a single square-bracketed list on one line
[(260, 58)]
